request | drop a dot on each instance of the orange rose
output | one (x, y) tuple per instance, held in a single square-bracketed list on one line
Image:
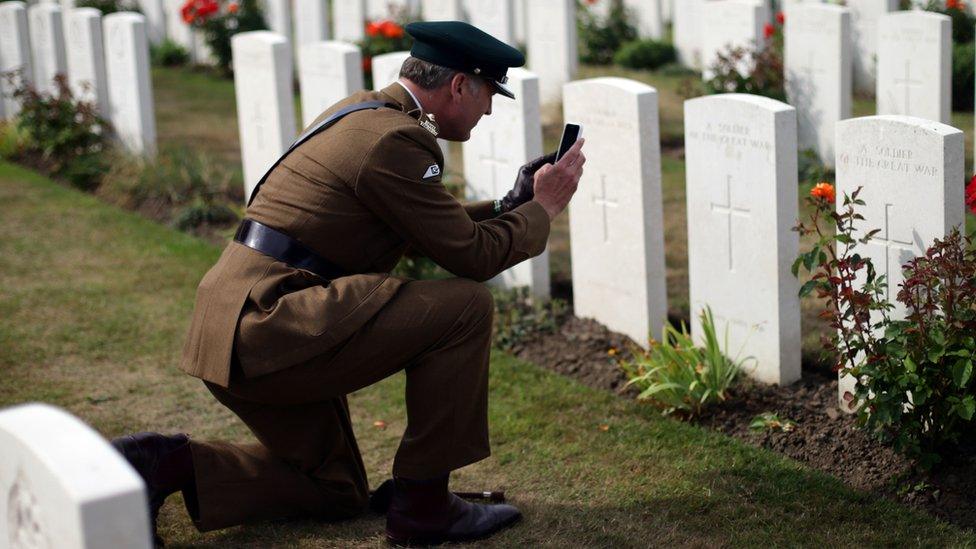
[(391, 30), (233, 7), (372, 28), (824, 191)]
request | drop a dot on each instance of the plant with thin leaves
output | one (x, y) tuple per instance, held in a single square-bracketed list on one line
[(682, 378)]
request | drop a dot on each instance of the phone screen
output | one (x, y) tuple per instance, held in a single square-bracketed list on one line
[(571, 133)]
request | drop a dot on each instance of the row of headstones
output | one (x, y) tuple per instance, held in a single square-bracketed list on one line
[(105, 61)]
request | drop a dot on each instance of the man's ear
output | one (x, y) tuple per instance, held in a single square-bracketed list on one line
[(459, 83)]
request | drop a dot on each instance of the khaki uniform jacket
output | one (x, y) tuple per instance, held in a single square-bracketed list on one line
[(357, 194)]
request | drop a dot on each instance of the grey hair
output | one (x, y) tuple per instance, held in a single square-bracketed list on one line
[(425, 74)]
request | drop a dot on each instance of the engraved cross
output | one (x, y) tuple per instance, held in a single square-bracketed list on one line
[(605, 202), (907, 83), (888, 243), (728, 210)]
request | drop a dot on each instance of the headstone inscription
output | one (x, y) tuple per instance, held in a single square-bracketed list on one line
[(47, 45), (86, 57), (130, 96), (14, 54), (498, 147), (915, 65), (864, 16), (817, 67), (615, 220), (496, 17), (729, 24), (328, 72), (349, 20), (265, 112), (910, 172), (552, 45), (64, 486), (742, 204), (442, 10), (311, 22)]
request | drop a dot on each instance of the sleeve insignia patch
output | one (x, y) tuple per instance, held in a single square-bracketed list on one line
[(432, 171)]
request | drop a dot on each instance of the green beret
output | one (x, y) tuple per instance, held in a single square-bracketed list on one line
[(460, 46)]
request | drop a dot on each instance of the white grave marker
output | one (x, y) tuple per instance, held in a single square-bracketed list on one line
[(649, 15), (47, 45), (349, 19), (499, 146), (64, 486), (131, 108), (278, 17), (865, 14), (496, 17), (730, 23), (915, 65), (86, 57), (521, 21), (911, 172), (155, 19), (386, 68), (14, 53), (328, 72), (311, 22), (552, 45), (615, 219), (176, 29), (442, 10), (265, 111), (817, 66), (687, 32), (742, 204)]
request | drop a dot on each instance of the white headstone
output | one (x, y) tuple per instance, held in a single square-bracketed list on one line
[(328, 72), (911, 174), (176, 29), (552, 45), (155, 19), (14, 53), (730, 24), (915, 65), (865, 14), (615, 219), (521, 21), (64, 486), (47, 45), (311, 22), (649, 18), (278, 17), (265, 109), (496, 17), (741, 174), (442, 10), (202, 53), (817, 67), (86, 57), (499, 145), (386, 68), (687, 32), (131, 108), (349, 20)]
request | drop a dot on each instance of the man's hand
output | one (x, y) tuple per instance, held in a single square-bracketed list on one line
[(556, 183), (524, 182)]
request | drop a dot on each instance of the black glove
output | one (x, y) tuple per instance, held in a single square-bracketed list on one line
[(523, 190)]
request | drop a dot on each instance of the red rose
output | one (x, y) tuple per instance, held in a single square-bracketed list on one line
[(232, 7), (367, 64), (780, 18), (971, 195), (391, 30), (768, 30), (372, 28)]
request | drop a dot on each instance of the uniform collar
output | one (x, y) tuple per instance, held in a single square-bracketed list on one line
[(411, 105)]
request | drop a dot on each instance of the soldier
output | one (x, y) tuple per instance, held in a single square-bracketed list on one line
[(301, 308)]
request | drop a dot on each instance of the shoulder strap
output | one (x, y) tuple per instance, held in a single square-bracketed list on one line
[(314, 130)]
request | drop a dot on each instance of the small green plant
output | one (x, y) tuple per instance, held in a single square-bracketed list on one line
[(770, 421), (756, 70), (169, 54), (645, 54), (220, 21), (810, 169), (64, 136), (963, 76), (520, 317), (601, 37), (963, 22), (419, 267), (680, 377)]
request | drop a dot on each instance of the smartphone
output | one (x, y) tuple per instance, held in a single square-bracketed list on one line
[(571, 133)]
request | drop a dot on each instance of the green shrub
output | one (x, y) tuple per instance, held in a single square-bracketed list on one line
[(601, 38), (520, 317), (963, 23), (64, 136), (110, 6), (11, 141), (169, 54), (681, 378), (963, 76), (386, 36), (645, 54), (811, 169)]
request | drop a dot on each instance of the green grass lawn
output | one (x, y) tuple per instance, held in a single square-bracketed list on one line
[(94, 303)]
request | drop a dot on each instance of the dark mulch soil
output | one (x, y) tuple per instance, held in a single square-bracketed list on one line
[(824, 437)]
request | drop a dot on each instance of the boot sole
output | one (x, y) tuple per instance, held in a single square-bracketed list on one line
[(438, 540)]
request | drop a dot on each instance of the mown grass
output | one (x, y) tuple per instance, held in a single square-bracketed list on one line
[(94, 302)]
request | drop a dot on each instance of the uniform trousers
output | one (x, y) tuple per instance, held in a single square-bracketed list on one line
[(306, 462)]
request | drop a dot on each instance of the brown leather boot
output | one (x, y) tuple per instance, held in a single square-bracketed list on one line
[(424, 512), (165, 465)]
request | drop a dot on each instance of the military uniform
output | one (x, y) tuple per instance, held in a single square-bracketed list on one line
[(282, 347)]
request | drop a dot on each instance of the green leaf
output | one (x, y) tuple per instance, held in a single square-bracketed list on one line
[(966, 408), (962, 372)]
